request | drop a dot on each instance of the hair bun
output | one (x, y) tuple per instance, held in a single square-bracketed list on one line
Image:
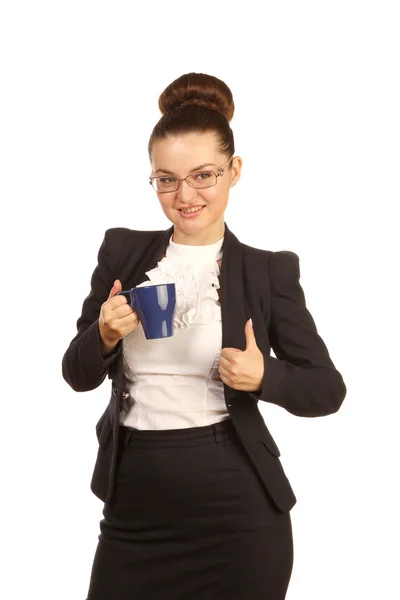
[(197, 89)]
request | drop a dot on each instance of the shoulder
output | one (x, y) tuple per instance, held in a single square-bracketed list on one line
[(118, 239), (120, 242), (276, 259), (118, 234)]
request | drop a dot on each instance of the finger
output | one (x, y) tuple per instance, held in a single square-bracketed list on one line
[(224, 362), (122, 310), (223, 371), (122, 324), (127, 321), (117, 301), (117, 287)]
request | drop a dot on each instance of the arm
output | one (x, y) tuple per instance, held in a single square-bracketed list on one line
[(85, 362), (302, 379)]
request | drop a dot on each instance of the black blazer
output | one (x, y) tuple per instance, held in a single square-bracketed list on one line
[(260, 284)]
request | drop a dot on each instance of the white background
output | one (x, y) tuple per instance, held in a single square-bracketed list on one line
[(316, 88)]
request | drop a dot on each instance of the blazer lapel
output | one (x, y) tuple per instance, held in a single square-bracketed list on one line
[(234, 311)]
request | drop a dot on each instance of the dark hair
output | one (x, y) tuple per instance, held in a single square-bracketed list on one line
[(196, 102)]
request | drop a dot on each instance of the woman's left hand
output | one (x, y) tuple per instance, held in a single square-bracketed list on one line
[(243, 369)]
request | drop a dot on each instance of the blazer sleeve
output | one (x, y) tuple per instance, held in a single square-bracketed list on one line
[(302, 379), (83, 366)]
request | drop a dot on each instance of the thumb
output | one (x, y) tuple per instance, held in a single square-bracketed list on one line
[(117, 287), (249, 332)]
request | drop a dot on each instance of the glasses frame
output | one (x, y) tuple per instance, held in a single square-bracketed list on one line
[(221, 171)]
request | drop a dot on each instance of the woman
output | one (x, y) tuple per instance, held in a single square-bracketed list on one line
[(196, 502)]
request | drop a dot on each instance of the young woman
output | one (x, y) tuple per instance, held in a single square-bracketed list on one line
[(196, 502)]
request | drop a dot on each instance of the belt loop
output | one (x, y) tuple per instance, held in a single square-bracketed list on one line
[(217, 434)]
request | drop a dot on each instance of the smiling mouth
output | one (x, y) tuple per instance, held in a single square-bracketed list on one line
[(191, 209)]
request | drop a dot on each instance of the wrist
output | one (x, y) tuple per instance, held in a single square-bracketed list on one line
[(105, 345), (106, 348)]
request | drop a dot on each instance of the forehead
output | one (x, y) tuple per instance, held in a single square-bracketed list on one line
[(179, 154)]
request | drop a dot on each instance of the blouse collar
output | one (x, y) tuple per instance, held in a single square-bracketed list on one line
[(185, 253)]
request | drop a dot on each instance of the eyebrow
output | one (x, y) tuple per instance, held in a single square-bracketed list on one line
[(195, 169)]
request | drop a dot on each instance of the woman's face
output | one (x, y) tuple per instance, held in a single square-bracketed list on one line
[(178, 157)]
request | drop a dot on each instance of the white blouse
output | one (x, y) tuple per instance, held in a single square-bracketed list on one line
[(174, 383)]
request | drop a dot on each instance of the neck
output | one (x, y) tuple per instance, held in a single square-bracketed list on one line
[(201, 238)]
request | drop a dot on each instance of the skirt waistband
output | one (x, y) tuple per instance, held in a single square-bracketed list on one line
[(215, 433)]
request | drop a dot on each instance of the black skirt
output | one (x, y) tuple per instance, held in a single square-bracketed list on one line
[(190, 520)]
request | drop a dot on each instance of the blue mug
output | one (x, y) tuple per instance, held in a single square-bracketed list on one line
[(155, 306)]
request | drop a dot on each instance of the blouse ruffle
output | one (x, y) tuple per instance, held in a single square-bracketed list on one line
[(196, 284)]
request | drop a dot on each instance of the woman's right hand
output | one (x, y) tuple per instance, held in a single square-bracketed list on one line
[(117, 318)]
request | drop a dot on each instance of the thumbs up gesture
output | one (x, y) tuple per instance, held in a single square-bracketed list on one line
[(243, 369), (117, 318)]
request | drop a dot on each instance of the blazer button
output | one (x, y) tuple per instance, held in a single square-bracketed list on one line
[(114, 388)]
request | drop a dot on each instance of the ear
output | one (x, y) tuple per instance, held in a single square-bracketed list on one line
[(236, 170)]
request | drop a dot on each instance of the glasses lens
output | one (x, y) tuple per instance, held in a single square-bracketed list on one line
[(165, 184), (202, 180)]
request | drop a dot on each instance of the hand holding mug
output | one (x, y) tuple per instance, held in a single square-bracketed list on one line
[(155, 305), (117, 318)]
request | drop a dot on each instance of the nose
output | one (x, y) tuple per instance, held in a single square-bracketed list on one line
[(185, 192)]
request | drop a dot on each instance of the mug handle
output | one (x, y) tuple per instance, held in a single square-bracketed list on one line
[(131, 298)]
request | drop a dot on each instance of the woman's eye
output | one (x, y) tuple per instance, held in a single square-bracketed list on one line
[(204, 175), (167, 179)]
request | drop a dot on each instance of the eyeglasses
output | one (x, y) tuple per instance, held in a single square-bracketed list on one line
[(200, 180)]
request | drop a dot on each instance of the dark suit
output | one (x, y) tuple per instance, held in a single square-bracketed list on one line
[(260, 284)]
